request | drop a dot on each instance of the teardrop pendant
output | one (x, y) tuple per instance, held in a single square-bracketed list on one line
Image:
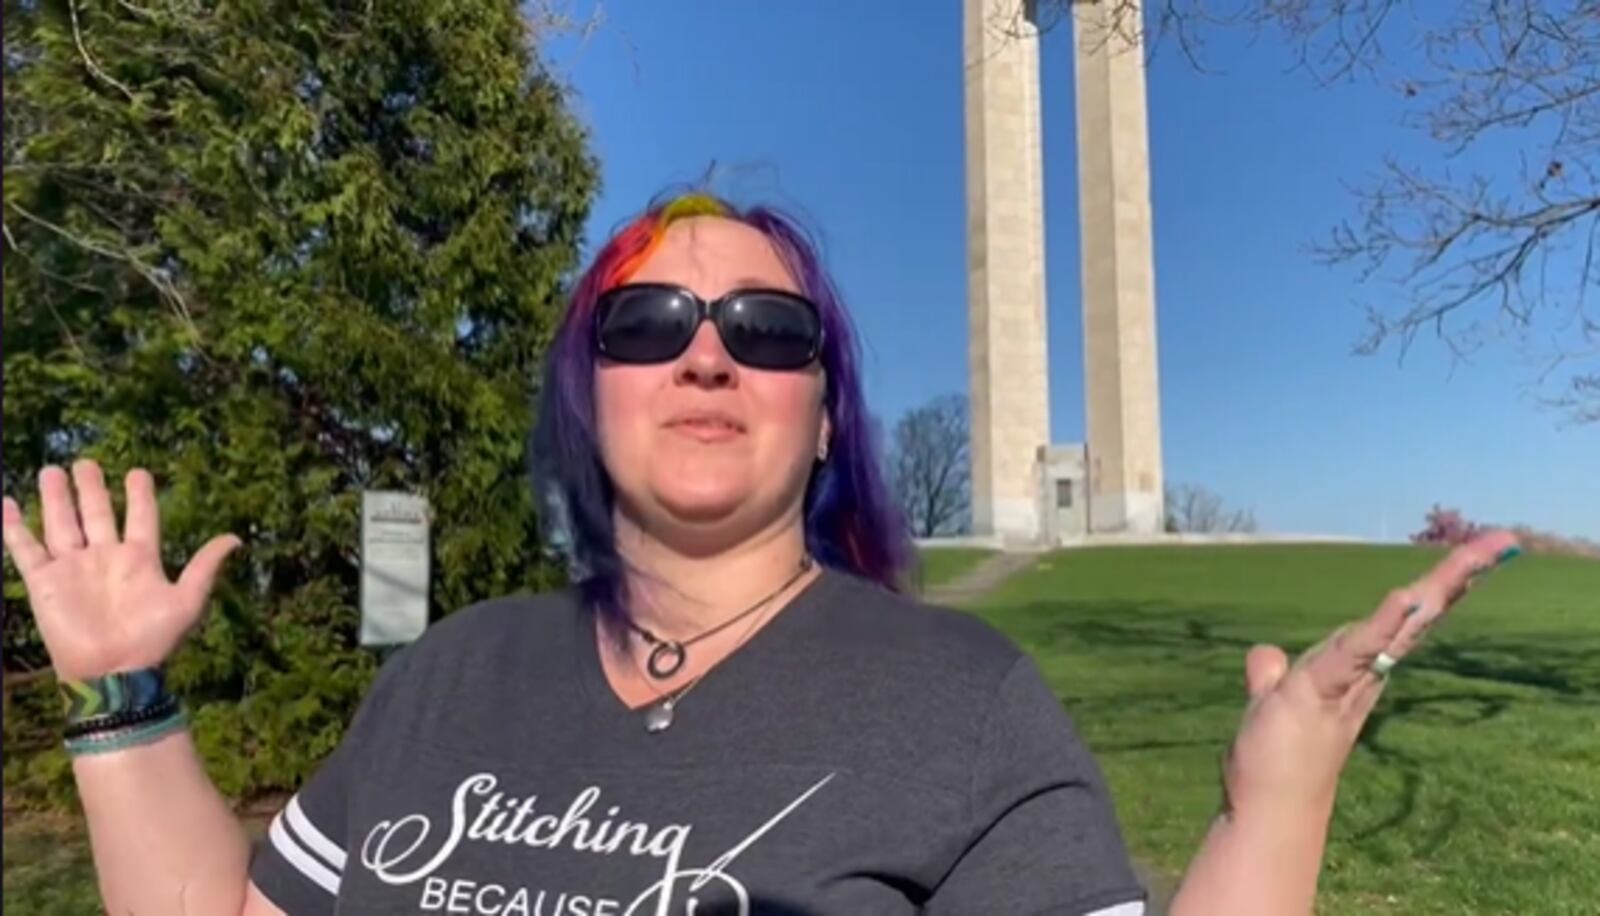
[(658, 718)]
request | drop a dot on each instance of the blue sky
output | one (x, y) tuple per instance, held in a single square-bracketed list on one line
[(851, 113)]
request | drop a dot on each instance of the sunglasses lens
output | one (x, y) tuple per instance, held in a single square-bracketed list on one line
[(645, 324), (770, 330)]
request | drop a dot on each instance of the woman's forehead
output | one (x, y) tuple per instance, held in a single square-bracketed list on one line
[(712, 254)]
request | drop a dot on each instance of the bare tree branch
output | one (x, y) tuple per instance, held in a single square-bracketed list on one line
[(928, 466), (158, 278), (1195, 509), (83, 52)]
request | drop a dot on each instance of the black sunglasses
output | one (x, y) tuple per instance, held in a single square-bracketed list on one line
[(656, 322)]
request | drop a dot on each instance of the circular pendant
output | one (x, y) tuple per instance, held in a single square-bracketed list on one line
[(666, 659), (658, 718)]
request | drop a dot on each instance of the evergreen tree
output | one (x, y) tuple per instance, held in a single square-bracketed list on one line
[(277, 252)]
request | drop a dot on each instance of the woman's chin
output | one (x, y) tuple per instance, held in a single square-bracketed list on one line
[(702, 507)]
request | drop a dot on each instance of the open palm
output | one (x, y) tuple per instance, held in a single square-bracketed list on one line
[(102, 601), (1303, 719)]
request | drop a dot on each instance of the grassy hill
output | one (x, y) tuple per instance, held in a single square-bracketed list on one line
[(1476, 788)]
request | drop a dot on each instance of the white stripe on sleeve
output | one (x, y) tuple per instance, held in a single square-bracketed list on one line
[(314, 838), (303, 861), (1132, 908)]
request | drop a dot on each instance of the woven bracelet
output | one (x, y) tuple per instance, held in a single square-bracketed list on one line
[(114, 694)]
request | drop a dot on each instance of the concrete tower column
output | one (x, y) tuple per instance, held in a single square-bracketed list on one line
[(1123, 409), (1010, 410)]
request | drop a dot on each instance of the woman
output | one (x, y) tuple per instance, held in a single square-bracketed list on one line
[(733, 712)]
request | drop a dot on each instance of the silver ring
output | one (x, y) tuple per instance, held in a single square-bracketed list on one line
[(1383, 664)]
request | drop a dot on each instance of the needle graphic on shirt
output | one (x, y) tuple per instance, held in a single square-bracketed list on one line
[(715, 868)]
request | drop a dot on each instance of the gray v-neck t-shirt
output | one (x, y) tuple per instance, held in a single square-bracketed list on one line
[(863, 753)]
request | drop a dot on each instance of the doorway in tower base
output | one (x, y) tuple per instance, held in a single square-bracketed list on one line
[(1064, 494)]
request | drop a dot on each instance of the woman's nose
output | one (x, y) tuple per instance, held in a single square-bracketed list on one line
[(706, 363)]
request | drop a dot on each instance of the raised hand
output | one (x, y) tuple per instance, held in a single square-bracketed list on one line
[(103, 602), (1303, 720)]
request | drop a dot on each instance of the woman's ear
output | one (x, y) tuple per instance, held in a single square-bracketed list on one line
[(824, 437)]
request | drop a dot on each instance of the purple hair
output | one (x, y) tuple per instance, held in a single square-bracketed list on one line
[(851, 521)]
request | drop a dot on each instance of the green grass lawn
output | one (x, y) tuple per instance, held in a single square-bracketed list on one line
[(47, 868), (1476, 788), (944, 564)]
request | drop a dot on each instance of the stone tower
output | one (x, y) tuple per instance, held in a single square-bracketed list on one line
[(1122, 409), (1013, 493), (1010, 406)]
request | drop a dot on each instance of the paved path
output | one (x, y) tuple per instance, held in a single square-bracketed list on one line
[(979, 581)]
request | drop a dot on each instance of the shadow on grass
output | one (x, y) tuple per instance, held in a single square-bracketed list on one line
[(1106, 748), (1496, 675), (1440, 706), (1558, 663), (1562, 668), (1119, 625)]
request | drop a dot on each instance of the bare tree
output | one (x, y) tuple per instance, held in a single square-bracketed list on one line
[(1473, 253), (928, 467), (1195, 509)]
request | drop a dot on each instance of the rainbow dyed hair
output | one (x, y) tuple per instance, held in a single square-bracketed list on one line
[(851, 522)]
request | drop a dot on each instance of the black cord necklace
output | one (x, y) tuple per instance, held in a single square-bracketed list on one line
[(667, 656)]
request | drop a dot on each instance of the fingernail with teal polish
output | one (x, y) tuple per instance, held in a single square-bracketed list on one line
[(1507, 555)]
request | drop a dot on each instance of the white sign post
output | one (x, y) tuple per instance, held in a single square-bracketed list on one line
[(394, 567)]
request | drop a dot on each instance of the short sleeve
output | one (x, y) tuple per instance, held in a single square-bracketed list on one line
[(300, 863), (1043, 830)]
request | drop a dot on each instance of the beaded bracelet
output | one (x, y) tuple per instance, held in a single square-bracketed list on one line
[(122, 739), (164, 708)]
